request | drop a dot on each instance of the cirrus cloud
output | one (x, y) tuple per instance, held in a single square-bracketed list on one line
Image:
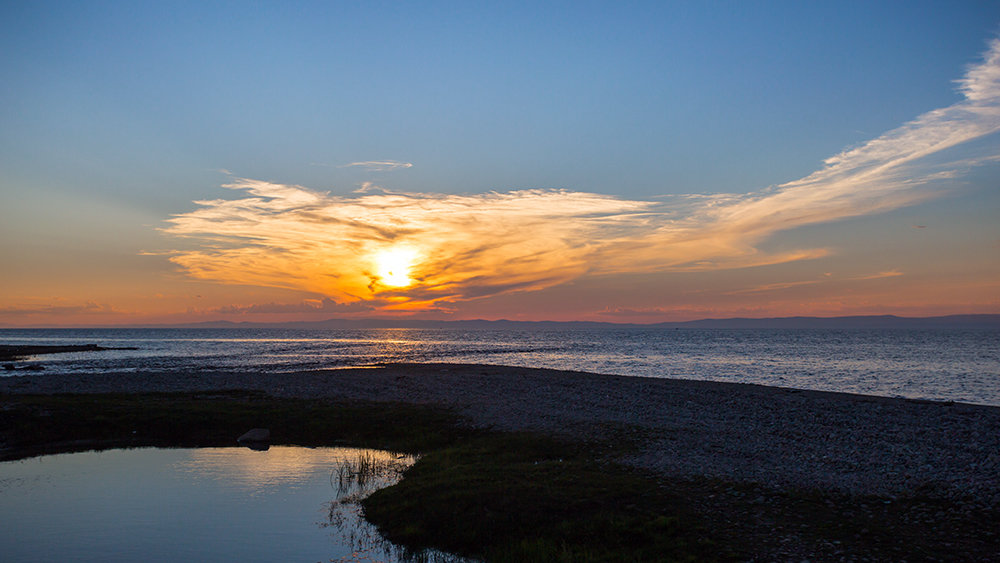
[(479, 245), (90, 307), (379, 165), (325, 305)]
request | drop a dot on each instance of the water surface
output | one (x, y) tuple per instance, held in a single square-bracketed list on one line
[(204, 504), (945, 364)]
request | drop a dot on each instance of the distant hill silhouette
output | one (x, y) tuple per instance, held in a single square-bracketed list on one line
[(855, 322)]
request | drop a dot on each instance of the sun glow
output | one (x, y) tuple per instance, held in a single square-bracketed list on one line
[(393, 266), (362, 250)]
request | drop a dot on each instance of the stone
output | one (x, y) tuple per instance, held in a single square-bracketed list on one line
[(255, 435)]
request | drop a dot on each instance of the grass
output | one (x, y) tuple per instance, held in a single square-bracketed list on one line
[(31, 424), (522, 497), (368, 470), (519, 497)]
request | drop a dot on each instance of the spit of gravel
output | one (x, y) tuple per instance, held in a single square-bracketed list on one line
[(855, 444)]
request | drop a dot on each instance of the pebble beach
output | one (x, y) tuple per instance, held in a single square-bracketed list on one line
[(775, 437)]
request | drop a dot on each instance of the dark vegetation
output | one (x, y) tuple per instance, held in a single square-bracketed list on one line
[(35, 424), (519, 497)]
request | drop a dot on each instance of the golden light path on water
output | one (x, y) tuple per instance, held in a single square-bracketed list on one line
[(280, 466)]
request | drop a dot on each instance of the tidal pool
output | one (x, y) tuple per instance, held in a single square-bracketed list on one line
[(201, 504)]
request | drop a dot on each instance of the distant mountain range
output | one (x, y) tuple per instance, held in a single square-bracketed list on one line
[(856, 322)]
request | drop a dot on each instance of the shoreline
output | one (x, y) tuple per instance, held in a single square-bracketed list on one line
[(727, 471), (778, 437)]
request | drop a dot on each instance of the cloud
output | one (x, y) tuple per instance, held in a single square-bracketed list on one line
[(88, 308), (463, 246), (879, 276), (657, 312), (325, 305), (479, 245), (774, 287), (778, 286), (379, 165)]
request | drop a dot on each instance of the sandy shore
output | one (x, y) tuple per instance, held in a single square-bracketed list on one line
[(776, 437)]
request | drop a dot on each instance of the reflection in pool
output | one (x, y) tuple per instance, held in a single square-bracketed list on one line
[(204, 504)]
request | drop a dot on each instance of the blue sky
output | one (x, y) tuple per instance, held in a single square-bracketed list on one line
[(118, 116)]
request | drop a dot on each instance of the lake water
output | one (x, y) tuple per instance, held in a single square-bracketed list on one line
[(958, 365), (205, 504)]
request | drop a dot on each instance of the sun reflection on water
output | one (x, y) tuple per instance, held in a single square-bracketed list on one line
[(279, 466)]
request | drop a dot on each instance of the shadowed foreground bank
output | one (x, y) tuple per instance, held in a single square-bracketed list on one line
[(522, 463)]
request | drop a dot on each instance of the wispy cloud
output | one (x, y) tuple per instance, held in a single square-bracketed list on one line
[(89, 308), (470, 246), (654, 312), (379, 165), (774, 287), (827, 278), (325, 305), (879, 276)]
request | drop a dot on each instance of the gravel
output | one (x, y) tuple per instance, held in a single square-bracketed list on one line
[(855, 444)]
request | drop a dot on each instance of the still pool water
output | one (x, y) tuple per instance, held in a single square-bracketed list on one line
[(203, 504)]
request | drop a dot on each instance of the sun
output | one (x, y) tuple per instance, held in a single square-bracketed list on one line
[(392, 266)]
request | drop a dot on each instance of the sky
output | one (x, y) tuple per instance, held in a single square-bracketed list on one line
[(608, 161)]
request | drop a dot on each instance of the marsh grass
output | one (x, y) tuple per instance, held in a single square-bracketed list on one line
[(355, 479), (524, 497), (368, 470), (41, 424)]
